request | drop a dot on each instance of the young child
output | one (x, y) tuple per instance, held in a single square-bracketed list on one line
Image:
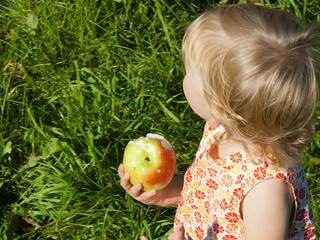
[(251, 74)]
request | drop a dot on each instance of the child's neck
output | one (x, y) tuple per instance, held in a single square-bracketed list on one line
[(225, 147)]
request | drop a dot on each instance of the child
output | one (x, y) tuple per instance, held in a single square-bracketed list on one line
[(251, 74)]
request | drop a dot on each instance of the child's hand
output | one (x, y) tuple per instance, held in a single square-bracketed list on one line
[(152, 197), (178, 234)]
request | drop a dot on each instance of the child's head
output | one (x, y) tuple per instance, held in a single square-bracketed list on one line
[(258, 71)]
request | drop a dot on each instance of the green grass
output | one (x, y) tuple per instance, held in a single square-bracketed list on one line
[(79, 79)]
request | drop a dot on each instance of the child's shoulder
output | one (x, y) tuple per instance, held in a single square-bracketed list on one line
[(271, 199), (285, 191)]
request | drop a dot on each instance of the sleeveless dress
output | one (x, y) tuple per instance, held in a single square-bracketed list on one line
[(213, 190)]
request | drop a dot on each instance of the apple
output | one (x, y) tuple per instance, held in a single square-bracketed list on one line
[(151, 161)]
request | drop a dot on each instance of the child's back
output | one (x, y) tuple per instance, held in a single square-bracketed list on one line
[(216, 185), (257, 68)]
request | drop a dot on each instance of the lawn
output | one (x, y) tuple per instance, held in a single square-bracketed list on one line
[(79, 79)]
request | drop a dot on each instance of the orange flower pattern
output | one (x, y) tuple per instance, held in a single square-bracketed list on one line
[(215, 187)]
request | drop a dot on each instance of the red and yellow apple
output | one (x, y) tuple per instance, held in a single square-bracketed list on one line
[(150, 161)]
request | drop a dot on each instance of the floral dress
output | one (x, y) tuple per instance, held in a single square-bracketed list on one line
[(214, 188)]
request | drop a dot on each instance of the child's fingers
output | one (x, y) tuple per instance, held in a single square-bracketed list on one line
[(124, 179), (135, 191), (148, 197), (120, 170)]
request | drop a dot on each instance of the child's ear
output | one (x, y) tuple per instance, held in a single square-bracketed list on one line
[(212, 122)]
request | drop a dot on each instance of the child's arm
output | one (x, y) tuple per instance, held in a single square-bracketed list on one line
[(169, 196), (266, 210)]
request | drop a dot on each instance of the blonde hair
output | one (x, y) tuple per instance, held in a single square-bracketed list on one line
[(258, 69)]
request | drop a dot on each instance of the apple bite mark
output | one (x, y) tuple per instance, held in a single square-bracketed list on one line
[(163, 141), (150, 161)]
